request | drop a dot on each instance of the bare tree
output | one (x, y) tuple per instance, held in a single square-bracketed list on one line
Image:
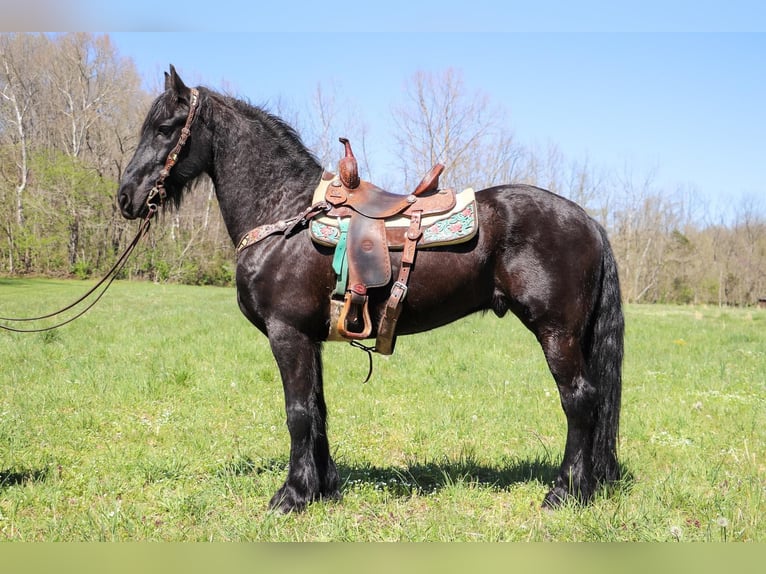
[(69, 110), (20, 84), (440, 121), (332, 117)]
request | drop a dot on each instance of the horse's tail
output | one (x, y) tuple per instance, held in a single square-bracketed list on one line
[(604, 355)]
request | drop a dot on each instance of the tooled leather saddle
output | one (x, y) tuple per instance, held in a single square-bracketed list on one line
[(370, 221)]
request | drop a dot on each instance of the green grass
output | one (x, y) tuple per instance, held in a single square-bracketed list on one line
[(159, 415)]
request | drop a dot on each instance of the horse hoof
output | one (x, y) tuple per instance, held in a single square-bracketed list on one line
[(559, 496), (555, 498), (332, 496), (287, 500)]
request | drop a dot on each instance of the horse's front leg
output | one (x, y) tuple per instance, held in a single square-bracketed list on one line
[(312, 473)]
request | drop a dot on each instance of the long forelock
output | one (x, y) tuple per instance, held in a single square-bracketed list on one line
[(160, 110)]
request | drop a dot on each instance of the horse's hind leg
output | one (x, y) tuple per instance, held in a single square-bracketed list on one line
[(312, 473), (579, 399)]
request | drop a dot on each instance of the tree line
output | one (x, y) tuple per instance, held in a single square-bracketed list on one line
[(70, 111)]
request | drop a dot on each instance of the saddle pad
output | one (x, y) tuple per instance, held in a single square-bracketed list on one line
[(458, 225)]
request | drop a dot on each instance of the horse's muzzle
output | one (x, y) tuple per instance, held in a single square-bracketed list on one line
[(128, 207)]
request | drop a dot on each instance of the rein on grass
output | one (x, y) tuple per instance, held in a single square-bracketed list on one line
[(157, 193), (105, 283)]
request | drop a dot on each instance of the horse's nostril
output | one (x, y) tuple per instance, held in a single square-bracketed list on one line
[(124, 202)]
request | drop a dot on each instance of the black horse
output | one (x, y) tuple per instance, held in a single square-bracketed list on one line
[(536, 254)]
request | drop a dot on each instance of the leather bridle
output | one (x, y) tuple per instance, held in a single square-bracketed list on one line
[(158, 191)]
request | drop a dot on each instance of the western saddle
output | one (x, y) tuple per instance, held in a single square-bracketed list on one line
[(366, 220)]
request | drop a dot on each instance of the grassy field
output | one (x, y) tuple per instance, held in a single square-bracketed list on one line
[(159, 416)]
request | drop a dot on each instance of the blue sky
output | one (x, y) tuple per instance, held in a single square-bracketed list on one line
[(419, 15), (675, 86)]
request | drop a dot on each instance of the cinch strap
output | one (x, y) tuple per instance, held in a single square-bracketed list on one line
[(340, 260)]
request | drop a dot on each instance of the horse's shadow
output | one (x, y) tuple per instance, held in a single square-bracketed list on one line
[(419, 478), (13, 477), (431, 477)]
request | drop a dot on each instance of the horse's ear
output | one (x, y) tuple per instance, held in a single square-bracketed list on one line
[(174, 82)]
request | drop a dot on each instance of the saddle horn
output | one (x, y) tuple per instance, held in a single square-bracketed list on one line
[(348, 168)]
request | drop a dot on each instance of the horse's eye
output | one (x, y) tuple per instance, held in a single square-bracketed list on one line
[(165, 130)]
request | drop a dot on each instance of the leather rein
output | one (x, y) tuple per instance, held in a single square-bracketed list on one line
[(154, 201)]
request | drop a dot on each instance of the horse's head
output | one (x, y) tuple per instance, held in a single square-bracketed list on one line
[(159, 169)]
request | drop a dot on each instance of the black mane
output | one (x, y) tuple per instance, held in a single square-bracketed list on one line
[(285, 135)]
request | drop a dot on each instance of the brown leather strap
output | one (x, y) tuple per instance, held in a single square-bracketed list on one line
[(286, 226), (386, 339)]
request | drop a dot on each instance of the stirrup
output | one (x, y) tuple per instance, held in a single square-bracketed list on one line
[(354, 321)]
